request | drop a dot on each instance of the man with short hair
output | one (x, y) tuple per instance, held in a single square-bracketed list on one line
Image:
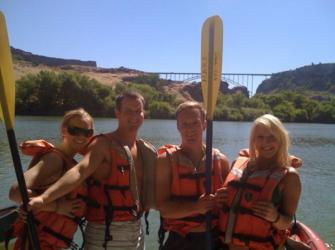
[(119, 171), (180, 182)]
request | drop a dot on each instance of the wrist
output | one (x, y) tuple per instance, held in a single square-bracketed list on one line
[(45, 198), (276, 219)]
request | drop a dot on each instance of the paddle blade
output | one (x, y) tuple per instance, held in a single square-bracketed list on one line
[(211, 62), (7, 83)]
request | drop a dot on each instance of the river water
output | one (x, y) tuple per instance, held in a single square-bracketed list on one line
[(314, 143)]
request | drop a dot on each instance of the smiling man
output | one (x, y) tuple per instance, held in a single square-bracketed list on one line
[(119, 171), (180, 182)]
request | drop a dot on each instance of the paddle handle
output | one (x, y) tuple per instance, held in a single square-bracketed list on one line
[(23, 188)]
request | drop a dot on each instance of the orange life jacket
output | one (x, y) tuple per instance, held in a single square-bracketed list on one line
[(111, 199), (237, 223), (188, 185), (53, 229)]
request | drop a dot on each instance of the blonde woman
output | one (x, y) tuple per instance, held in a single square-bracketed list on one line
[(57, 221), (261, 192)]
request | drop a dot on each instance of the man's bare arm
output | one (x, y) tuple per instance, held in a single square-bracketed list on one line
[(75, 176)]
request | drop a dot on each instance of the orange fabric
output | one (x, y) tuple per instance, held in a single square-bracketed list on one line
[(186, 185), (35, 147), (43, 245), (60, 224), (258, 185), (118, 188)]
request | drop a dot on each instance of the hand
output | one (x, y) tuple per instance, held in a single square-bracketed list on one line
[(265, 210), (22, 213), (205, 203), (296, 162), (36, 204), (221, 196), (68, 207)]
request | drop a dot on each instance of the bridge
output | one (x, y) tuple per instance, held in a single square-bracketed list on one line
[(248, 80)]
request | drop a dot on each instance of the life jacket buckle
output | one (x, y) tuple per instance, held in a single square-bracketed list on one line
[(122, 168)]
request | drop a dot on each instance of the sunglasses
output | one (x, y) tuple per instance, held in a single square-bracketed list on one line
[(74, 131)]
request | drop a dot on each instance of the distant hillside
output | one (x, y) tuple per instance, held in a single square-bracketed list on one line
[(29, 63), (315, 77), (51, 86), (19, 54)]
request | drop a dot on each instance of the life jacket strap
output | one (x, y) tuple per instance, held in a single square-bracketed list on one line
[(108, 218), (238, 210), (197, 218), (146, 214), (66, 240), (117, 187), (243, 185), (193, 176), (247, 239), (161, 234), (93, 182)]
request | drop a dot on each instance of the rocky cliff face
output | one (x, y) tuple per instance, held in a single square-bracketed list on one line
[(194, 90), (316, 77), (49, 61)]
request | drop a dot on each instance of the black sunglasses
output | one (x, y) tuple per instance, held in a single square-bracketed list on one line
[(80, 131)]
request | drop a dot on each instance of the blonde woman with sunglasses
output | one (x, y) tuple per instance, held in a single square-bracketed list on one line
[(56, 221)]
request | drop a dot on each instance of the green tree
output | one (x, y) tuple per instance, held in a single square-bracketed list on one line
[(160, 110), (285, 111)]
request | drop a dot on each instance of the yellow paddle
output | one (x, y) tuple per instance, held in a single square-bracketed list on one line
[(7, 112), (211, 63)]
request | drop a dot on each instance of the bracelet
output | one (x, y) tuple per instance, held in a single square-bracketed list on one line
[(277, 219)]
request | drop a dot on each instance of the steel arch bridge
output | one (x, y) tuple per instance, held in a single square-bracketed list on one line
[(248, 80)]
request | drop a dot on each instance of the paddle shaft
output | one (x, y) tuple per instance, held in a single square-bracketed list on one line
[(18, 168), (23, 188), (209, 142)]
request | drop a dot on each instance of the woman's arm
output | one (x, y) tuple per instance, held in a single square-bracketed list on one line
[(45, 172), (281, 218), (291, 190)]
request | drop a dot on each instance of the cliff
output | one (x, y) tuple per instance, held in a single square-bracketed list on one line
[(19, 54), (316, 77)]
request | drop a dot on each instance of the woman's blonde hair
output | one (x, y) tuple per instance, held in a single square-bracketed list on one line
[(80, 112), (275, 126)]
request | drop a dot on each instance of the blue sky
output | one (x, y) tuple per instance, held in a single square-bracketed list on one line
[(260, 36)]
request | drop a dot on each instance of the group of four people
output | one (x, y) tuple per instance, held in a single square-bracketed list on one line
[(122, 177)]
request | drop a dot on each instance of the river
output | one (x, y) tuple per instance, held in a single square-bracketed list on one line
[(314, 143)]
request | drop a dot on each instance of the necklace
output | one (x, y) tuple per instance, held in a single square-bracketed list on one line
[(196, 162)]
